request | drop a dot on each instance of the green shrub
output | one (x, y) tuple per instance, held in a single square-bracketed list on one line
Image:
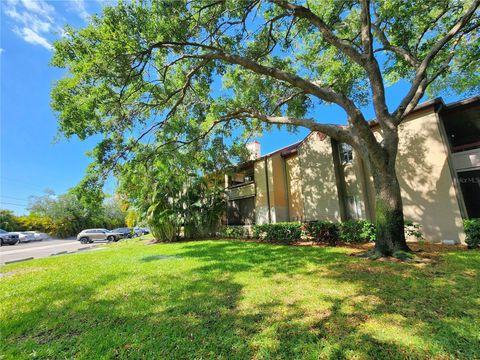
[(322, 231), (235, 232), (472, 230), (412, 229), (361, 231), (40, 223), (357, 231), (8, 221), (285, 232), (350, 231)]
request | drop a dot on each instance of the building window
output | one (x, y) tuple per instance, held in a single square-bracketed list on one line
[(346, 153), (354, 208), (470, 186), (462, 126)]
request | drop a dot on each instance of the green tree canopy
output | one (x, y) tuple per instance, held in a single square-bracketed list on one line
[(179, 188), (8, 220), (73, 211), (192, 69)]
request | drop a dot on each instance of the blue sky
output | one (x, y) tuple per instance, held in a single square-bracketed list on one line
[(30, 158)]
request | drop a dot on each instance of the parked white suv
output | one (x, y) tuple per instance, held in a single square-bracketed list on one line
[(91, 235)]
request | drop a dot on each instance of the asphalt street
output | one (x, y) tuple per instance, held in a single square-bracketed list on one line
[(39, 249)]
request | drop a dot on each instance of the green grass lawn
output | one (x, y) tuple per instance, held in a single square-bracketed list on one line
[(238, 300)]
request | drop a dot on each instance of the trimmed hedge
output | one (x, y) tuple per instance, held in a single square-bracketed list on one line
[(357, 231), (285, 232), (234, 231), (362, 231), (322, 231), (472, 232), (350, 231)]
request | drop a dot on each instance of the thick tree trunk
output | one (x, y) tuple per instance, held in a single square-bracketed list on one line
[(390, 235)]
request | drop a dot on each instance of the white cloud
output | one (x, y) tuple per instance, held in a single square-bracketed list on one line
[(11, 2), (2, 50), (28, 19), (107, 2), (79, 6), (34, 20), (32, 37), (39, 7)]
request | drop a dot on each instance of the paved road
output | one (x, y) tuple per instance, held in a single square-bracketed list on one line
[(39, 249)]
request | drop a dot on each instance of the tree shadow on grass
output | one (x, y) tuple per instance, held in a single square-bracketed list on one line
[(438, 306), (160, 258), (203, 309), (266, 259), (191, 314)]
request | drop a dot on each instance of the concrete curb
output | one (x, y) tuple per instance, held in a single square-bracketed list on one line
[(18, 260), (59, 253), (84, 248)]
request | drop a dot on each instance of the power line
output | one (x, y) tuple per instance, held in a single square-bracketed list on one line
[(8, 178), (9, 203), (13, 198), (27, 184)]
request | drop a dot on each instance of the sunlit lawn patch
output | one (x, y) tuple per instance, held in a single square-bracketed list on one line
[(229, 299)]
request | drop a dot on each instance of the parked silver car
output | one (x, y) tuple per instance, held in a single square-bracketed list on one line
[(37, 235), (91, 235), (8, 238), (24, 236), (125, 231), (140, 231)]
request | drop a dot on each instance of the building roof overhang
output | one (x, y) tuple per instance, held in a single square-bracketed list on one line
[(436, 105)]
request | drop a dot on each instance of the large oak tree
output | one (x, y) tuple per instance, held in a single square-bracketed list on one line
[(193, 69)]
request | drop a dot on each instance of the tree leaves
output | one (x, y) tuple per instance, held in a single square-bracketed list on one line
[(150, 74)]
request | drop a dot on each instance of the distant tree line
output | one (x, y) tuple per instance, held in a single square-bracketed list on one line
[(66, 214)]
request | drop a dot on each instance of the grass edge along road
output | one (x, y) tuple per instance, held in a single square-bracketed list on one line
[(233, 299)]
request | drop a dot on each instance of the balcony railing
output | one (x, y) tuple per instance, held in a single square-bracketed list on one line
[(465, 160), (243, 190)]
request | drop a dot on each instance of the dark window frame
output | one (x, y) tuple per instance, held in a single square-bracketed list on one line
[(346, 153)]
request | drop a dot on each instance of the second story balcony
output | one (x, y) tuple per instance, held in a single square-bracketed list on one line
[(462, 126), (241, 183), (241, 191)]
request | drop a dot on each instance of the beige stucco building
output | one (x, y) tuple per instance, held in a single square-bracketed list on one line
[(319, 179)]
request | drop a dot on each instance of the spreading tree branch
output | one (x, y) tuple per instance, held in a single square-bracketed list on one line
[(404, 54), (420, 81), (324, 93), (343, 45), (373, 69)]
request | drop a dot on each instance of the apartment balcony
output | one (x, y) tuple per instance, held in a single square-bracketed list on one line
[(466, 160), (240, 191)]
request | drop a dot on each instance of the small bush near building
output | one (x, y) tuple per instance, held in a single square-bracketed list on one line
[(361, 231), (357, 231), (285, 232), (413, 230), (234, 232), (350, 231), (472, 232), (322, 231)]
